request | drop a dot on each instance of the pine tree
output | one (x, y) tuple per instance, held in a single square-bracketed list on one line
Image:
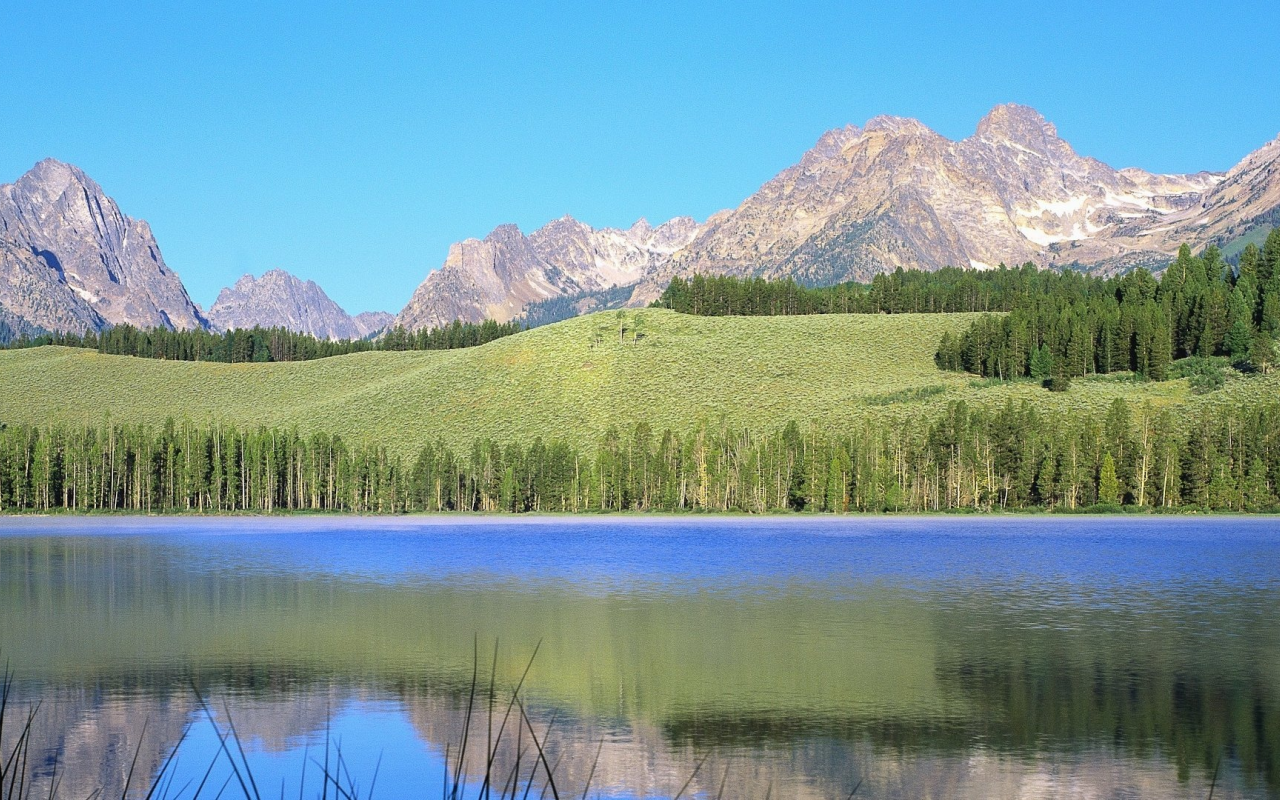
[(1269, 263), (1269, 316), (1078, 350), (1041, 363), (1175, 277), (1239, 339), (1257, 493), (1249, 258), (1262, 352), (1108, 484), (1161, 347)]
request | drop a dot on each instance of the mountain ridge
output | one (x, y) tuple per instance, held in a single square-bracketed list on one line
[(894, 193), (280, 299), (862, 200), (496, 277)]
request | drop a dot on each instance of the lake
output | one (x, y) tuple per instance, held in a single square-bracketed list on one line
[(938, 657)]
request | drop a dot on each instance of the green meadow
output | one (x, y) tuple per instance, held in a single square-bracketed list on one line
[(572, 380)]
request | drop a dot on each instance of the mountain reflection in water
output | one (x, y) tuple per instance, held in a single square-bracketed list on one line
[(936, 657)]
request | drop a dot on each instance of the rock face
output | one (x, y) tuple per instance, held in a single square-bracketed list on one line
[(890, 194), (497, 276), (280, 300), (70, 260)]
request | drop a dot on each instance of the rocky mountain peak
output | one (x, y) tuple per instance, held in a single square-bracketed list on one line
[(281, 300), (830, 145), (640, 228), (73, 260), (498, 276), (899, 126), (1017, 124), (507, 231), (563, 227), (51, 177), (56, 189), (675, 233)]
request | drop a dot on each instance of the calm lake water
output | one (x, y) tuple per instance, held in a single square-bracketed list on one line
[(924, 658)]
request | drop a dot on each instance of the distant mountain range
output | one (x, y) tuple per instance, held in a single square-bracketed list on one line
[(890, 194), (280, 300), (862, 201), (70, 260)]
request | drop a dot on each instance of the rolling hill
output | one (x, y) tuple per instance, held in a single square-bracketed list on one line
[(571, 380)]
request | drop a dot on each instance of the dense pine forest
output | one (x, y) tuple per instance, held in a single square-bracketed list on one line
[(1201, 307), (948, 290), (266, 344), (1207, 279), (1004, 459), (1057, 324)]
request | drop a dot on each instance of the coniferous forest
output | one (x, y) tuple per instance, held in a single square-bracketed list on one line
[(1055, 324), (265, 344), (1201, 307), (974, 459)]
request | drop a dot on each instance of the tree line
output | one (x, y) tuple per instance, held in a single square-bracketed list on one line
[(948, 290), (1012, 457), (1072, 325), (265, 344)]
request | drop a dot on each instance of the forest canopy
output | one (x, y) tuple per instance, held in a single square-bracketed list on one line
[(1012, 457)]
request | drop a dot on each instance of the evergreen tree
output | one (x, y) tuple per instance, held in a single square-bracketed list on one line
[(1239, 339), (1256, 490), (1248, 267), (1262, 352), (1269, 261), (1158, 362), (1108, 483), (1041, 363), (1269, 315)]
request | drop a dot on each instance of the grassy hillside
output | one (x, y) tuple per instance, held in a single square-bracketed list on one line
[(573, 379)]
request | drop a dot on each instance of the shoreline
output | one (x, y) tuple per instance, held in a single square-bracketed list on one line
[(109, 522)]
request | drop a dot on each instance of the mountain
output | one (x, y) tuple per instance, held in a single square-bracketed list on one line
[(862, 201), (280, 300), (70, 260), (496, 277), (870, 199), (896, 194)]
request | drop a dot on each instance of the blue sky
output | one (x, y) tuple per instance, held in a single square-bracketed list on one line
[(350, 143)]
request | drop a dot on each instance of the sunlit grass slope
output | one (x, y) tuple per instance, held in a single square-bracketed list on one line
[(573, 379)]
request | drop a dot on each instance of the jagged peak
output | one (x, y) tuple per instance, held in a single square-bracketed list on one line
[(54, 176), (504, 232), (559, 228), (682, 221), (52, 166), (835, 139), (1019, 124), (273, 275), (830, 145), (565, 221), (277, 274), (898, 125)]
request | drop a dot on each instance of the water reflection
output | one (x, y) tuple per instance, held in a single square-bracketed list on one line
[(934, 658)]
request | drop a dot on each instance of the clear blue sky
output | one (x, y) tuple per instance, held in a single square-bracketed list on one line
[(350, 143)]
